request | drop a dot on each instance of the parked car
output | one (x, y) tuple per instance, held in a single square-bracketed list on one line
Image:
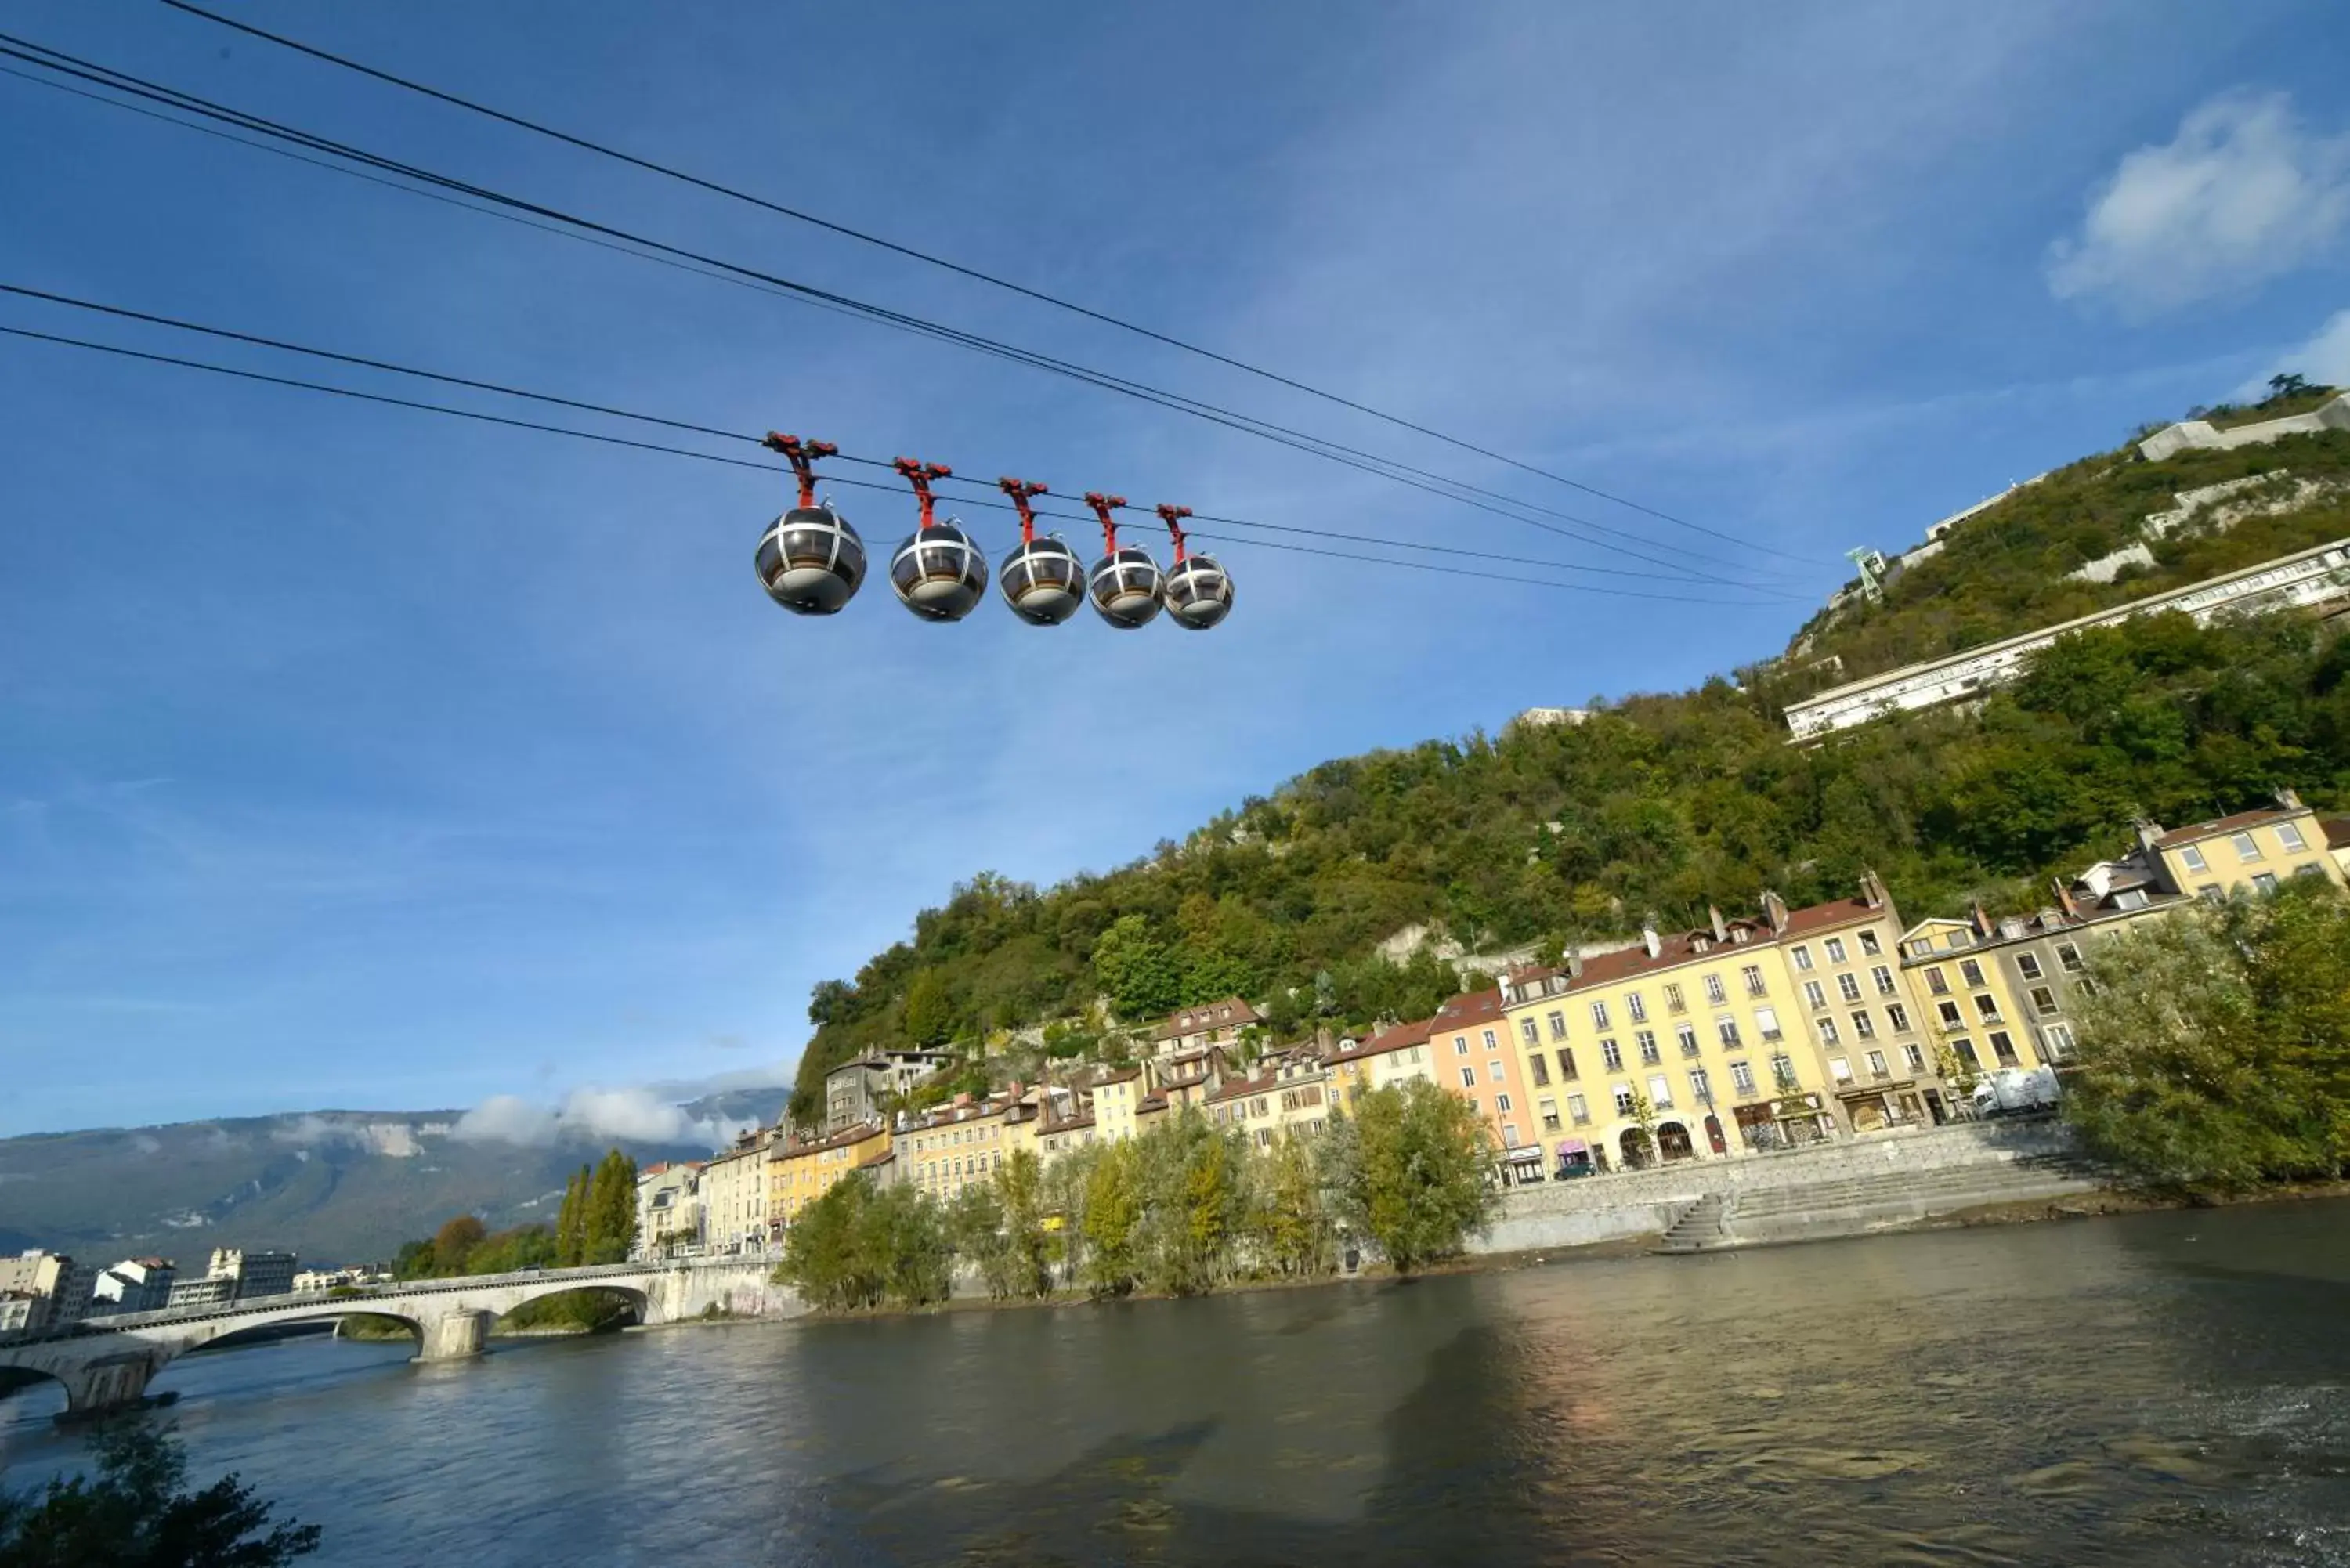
[(2011, 1090)]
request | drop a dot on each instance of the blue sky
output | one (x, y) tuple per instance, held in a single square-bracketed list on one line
[(356, 758)]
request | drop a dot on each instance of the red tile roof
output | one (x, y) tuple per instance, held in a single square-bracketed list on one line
[(1242, 1088), (2337, 832), (2203, 830), (1395, 1038)]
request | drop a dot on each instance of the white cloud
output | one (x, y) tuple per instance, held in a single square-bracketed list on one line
[(632, 1114), (2324, 360), (2242, 193)]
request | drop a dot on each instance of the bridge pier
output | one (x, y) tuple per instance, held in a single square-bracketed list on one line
[(454, 1335), (100, 1387)]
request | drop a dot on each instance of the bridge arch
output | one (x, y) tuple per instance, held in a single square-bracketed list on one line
[(639, 1300)]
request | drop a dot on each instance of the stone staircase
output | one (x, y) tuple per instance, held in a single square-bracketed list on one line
[(1872, 1202)]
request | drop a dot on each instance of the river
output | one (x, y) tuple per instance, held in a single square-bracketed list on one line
[(2152, 1389)]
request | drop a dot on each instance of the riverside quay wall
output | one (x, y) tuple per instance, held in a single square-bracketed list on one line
[(1838, 1188)]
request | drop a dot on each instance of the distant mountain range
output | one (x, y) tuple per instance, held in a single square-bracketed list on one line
[(337, 1187)]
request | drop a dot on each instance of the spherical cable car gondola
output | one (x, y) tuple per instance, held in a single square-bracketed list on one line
[(1041, 579), (809, 560), (1126, 584), (1199, 591), (937, 573)]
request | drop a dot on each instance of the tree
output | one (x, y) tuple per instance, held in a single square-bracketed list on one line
[(930, 1017), (454, 1242), (1419, 1175), (611, 1210), (2216, 1052), (571, 1222), (1020, 1194), (824, 1257), (136, 1512), (1288, 1222), (1644, 1116), (2286, 386), (1113, 1209), (1142, 977)]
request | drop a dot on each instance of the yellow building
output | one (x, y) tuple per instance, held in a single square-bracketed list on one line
[(1744, 1034), (737, 1190), (804, 1172), (1965, 996), (959, 1145), (1397, 1056), (1289, 1096), (1115, 1096), (2250, 852)]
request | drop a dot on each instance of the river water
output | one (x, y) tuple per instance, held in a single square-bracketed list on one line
[(2161, 1388)]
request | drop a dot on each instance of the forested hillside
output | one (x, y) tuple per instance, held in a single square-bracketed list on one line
[(1665, 804)]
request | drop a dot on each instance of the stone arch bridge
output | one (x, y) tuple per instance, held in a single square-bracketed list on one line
[(107, 1363)]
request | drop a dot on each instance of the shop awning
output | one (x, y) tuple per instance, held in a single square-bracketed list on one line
[(1573, 1145), (1528, 1153)]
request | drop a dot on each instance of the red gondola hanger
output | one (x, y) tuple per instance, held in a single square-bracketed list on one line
[(920, 475), (809, 560), (1173, 517), (801, 455), (1023, 491)]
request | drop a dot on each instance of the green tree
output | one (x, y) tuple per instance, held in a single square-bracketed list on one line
[(137, 1511), (454, 1242), (826, 1257), (1113, 1211), (2216, 1052), (1417, 1173), (413, 1260), (571, 1222), (931, 1017), (1142, 976), (1288, 1221), (1021, 1199), (611, 1210)]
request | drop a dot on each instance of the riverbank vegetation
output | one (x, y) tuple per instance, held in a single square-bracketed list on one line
[(136, 1512), (1183, 1210), (2215, 1056)]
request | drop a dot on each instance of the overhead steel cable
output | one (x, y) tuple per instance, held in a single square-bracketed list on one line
[(930, 258), (58, 61), (418, 405), (152, 319)]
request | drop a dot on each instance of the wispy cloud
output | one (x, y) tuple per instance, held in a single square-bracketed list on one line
[(2243, 194), (2322, 360), (637, 1114)]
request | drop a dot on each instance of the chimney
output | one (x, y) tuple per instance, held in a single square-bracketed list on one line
[(1649, 935), (2288, 800), (1981, 921), (1575, 963), (2064, 898), (1774, 909), (1872, 889), (2149, 831), (1721, 931)]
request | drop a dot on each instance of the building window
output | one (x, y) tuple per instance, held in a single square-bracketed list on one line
[(2028, 965), (1540, 1065), (2290, 836), (1576, 1111), (1988, 1006), (1782, 1072), (1863, 1026), (1529, 1031), (1802, 958), (2043, 999), (1869, 943), (1915, 1057), (1951, 1017), (1548, 1111), (1461, 1044), (1970, 971), (1493, 1070), (1936, 981), (1660, 1093), (1836, 950), (1502, 1104), (1566, 1065), (1849, 986), (2192, 858), (1646, 1039), (1741, 1077), (2247, 848), (2264, 881), (1965, 1048), (1876, 1068), (1827, 1028), (1840, 1069), (1766, 1023), (1610, 1057), (1637, 1005), (1753, 975), (2069, 957), (1687, 1034), (1468, 1077), (2003, 1048), (1883, 980), (1623, 1100), (2057, 1040), (1814, 996), (1727, 1028), (1896, 1017), (1714, 991), (1673, 1002), (1599, 1015), (1491, 1042), (1558, 1025)]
